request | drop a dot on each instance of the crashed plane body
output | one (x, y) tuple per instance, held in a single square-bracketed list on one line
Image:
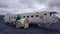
[(24, 19)]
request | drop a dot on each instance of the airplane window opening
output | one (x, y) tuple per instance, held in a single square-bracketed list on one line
[(36, 15), (27, 16), (31, 16), (23, 16), (50, 14), (45, 14)]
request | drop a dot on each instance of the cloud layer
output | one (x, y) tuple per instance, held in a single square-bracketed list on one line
[(11, 6)]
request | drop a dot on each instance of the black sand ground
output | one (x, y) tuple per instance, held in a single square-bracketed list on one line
[(6, 29)]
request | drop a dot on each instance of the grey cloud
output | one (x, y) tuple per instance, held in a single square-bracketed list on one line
[(29, 4), (40, 1), (50, 3), (25, 2), (53, 3), (3, 6)]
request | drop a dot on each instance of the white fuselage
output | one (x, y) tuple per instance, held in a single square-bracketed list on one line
[(34, 17), (40, 17)]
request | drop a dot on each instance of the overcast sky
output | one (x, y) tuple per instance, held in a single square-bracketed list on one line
[(11, 6)]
